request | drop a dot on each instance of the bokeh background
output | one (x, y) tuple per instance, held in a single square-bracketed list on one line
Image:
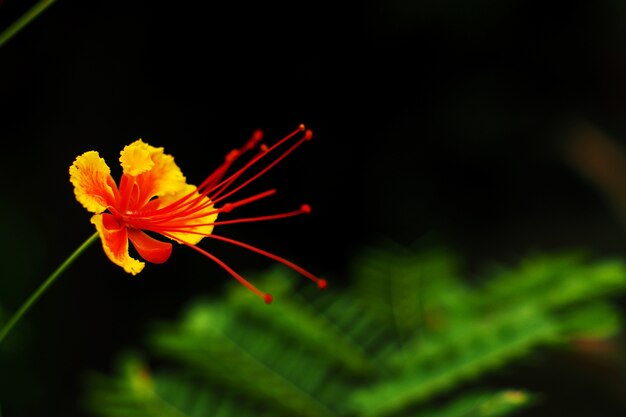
[(493, 126)]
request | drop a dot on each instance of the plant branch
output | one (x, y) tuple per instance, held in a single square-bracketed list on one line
[(43, 287), (24, 20)]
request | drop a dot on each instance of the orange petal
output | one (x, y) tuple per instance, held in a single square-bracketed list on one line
[(150, 249), (93, 186), (114, 237)]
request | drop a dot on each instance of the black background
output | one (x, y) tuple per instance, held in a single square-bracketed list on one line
[(431, 118)]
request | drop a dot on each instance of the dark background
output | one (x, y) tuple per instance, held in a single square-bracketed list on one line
[(442, 118)]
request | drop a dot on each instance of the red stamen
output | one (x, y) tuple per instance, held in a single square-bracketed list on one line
[(226, 208), (179, 208), (208, 186), (257, 175), (186, 226), (257, 219), (265, 296), (217, 189), (218, 174), (180, 219), (321, 283), (248, 200)]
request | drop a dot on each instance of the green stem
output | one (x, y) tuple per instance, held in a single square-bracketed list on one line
[(43, 287), (24, 20)]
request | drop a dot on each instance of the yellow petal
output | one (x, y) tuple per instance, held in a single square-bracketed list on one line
[(155, 173), (136, 158), (206, 217), (114, 239), (93, 186)]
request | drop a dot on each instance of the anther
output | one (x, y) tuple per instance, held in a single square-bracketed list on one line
[(268, 298), (257, 136), (232, 155), (301, 127), (308, 135), (321, 283), (305, 208)]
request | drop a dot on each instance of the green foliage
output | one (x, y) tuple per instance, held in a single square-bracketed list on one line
[(411, 333)]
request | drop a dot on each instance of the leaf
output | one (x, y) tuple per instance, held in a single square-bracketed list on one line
[(414, 333)]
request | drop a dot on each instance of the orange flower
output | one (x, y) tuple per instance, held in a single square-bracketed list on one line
[(153, 196)]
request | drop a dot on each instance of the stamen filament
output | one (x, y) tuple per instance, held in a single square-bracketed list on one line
[(184, 227), (229, 206), (263, 171), (321, 283), (144, 222), (207, 187), (254, 219), (263, 151), (232, 156), (265, 296)]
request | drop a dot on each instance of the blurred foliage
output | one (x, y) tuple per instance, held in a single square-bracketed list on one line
[(410, 333)]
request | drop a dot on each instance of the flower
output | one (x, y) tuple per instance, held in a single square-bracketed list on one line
[(153, 197)]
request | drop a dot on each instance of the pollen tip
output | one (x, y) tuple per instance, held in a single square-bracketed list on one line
[(232, 155), (306, 209), (301, 127), (308, 135), (257, 135), (321, 284), (268, 298), (227, 208)]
